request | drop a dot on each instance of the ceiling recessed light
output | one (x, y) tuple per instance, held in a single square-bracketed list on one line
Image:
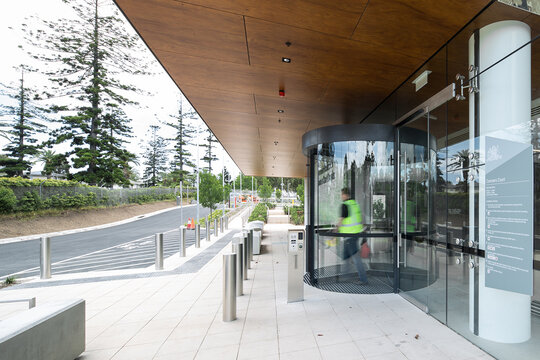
[(275, 142), (280, 111), (286, 60)]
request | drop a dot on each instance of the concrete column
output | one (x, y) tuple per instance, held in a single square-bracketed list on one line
[(504, 100)]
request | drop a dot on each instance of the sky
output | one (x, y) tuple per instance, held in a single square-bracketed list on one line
[(152, 110)]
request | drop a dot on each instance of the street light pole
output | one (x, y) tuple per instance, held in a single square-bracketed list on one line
[(282, 190), (198, 174), (223, 181)]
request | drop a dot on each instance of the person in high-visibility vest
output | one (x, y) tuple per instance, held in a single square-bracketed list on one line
[(350, 222)]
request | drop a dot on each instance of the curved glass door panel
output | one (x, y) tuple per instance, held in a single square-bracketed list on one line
[(366, 169)]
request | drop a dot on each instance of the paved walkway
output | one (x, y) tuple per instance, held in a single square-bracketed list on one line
[(179, 317)]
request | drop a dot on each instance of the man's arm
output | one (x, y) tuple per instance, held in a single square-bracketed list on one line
[(344, 214)]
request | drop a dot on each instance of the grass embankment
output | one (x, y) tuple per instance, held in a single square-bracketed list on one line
[(53, 220)]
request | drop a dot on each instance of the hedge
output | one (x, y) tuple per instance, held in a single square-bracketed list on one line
[(260, 213), (8, 200), (19, 181)]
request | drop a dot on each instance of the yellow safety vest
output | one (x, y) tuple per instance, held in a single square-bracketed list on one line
[(352, 224)]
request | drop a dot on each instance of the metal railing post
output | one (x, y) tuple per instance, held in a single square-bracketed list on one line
[(45, 258), (216, 230), (182, 241), (208, 230), (197, 236), (159, 251), (32, 303), (238, 249), (229, 287)]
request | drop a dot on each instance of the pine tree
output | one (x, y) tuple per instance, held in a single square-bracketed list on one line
[(183, 137), (84, 57), (115, 166), (209, 155), (24, 121), (155, 157)]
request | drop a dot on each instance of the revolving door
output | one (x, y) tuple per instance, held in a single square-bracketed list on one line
[(364, 159)]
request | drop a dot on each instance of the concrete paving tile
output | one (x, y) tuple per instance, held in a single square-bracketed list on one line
[(346, 350), (220, 326), (98, 354), (307, 354), (186, 331), (459, 350), (222, 339), (332, 336), (388, 356), (250, 335), (223, 353), (150, 336), (137, 352), (180, 346), (183, 356), (376, 346), (422, 350), (296, 343), (293, 329), (254, 349)]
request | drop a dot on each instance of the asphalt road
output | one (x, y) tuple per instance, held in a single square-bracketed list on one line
[(24, 256)]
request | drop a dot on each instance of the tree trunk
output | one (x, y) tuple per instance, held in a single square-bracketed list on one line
[(92, 166), (21, 127)]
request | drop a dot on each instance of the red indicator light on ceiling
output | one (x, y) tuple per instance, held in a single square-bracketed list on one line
[(281, 93)]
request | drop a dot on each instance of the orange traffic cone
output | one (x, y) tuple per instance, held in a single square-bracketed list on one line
[(193, 223), (188, 224)]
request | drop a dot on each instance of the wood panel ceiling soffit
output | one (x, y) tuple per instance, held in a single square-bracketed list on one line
[(347, 56)]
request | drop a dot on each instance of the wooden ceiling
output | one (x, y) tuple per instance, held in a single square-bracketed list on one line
[(347, 56)]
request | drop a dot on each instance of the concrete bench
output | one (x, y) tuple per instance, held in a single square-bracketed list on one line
[(52, 331)]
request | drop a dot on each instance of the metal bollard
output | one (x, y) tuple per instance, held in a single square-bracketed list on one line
[(216, 231), (197, 236), (238, 249), (177, 200), (249, 250), (159, 251), (251, 245), (45, 258), (221, 225), (244, 259), (229, 287), (226, 223), (207, 230), (182, 241)]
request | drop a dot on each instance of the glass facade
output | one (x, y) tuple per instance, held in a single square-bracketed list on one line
[(451, 204)]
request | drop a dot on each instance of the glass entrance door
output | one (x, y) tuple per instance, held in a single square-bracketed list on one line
[(413, 247), (422, 215)]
